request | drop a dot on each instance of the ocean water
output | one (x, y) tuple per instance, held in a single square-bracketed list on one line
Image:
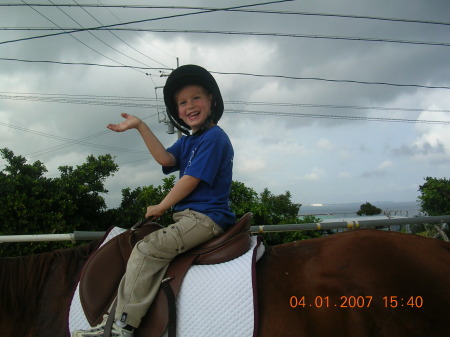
[(403, 209)]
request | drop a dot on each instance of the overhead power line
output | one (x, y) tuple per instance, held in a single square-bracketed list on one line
[(140, 21), (69, 140), (345, 16), (63, 146), (250, 74), (336, 80), (146, 103), (129, 102), (115, 35), (335, 106), (333, 80), (341, 117), (276, 12), (241, 33), (287, 35), (77, 39), (137, 34), (85, 64)]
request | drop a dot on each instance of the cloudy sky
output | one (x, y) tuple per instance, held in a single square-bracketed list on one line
[(334, 101)]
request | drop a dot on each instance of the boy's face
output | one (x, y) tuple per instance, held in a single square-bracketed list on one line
[(194, 105)]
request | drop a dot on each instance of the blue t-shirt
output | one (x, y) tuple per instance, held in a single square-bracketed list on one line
[(208, 157)]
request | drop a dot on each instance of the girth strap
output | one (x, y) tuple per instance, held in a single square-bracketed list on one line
[(157, 318), (172, 306), (172, 311), (110, 320)]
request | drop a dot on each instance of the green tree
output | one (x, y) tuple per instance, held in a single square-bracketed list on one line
[(244, 199), (26, 196), (31, 203), (435, 196), (267, 208), (270, 209), (83, 187), (135, 202), (434, 200), (279, 209), (368, 209)]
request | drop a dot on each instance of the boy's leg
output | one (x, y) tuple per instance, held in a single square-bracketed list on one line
[(149, 260)]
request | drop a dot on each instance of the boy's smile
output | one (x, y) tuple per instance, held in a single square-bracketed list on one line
[(194, 106)]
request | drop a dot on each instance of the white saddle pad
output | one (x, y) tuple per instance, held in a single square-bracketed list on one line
[(214, 300)]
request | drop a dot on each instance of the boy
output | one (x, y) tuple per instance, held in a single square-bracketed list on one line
[(200, 197)]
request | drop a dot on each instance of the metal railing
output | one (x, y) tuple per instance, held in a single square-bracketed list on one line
[(75, 236), (351, 224)]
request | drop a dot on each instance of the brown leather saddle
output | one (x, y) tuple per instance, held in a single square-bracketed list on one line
[(103, 271)]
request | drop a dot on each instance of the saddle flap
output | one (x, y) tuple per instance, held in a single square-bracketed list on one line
[(103, 271)]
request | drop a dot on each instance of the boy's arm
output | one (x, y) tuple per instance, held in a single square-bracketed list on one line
[(182, 188), (157, 150)]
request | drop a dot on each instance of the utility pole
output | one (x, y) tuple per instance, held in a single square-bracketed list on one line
[(167, 121), (179, 132)]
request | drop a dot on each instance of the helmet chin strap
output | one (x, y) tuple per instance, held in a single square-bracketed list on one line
[(206, 124), (177, 125)]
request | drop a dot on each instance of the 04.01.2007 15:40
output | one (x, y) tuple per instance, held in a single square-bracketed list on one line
[(358, 302)]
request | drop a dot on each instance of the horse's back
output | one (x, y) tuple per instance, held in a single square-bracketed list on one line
[(359, 283)]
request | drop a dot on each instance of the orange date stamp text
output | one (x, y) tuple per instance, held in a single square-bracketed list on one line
[(355, 302)]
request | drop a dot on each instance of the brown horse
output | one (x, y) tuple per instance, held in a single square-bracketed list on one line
[(359, 283)]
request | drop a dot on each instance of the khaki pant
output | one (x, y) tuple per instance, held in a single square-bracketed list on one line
[(150, 258)]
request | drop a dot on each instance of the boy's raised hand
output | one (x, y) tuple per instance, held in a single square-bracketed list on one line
[(130, 122)]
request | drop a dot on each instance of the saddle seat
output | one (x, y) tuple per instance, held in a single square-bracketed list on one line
[(103, 271), (228, 246)]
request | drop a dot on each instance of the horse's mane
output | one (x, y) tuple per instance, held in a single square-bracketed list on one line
[(22, 279)]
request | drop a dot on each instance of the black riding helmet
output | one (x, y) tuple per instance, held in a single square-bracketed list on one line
[(188, 75)]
